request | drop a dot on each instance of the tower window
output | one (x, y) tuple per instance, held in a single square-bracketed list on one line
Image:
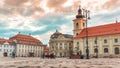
[(76, 34), (77, 25), (83, 24)]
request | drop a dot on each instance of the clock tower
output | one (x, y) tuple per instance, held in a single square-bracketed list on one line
[(79, 22)]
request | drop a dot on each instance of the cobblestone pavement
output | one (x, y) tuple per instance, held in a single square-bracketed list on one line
[(59, 63)]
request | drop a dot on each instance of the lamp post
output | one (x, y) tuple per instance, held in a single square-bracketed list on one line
[(96, 47), (87, 16)]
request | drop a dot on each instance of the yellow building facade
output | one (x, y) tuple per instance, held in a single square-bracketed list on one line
[(103, 40)]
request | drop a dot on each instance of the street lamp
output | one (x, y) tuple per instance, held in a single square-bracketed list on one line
[(87, 16), (96, 47)]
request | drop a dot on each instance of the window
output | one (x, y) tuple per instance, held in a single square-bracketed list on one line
[(56, 43), (116, 50), (60, 48), (77, 43), (95, 50), (116, 40), (105, 50), (60, 54), (83, 24), (76, 33), (77, 25), (95, 41), (69, 43), (60, 43), (105, 41)]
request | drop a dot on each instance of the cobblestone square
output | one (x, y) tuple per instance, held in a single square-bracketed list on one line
[(59, 63)]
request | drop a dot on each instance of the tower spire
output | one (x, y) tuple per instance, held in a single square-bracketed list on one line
[(80, 15)]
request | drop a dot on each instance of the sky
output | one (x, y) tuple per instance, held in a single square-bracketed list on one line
[(41, 18)]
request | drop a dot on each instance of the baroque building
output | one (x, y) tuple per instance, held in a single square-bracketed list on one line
[(103, 40), (60, 44)]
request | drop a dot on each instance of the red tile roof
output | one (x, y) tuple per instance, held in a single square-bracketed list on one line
[(26, 39), (100, 30), (2, 41)]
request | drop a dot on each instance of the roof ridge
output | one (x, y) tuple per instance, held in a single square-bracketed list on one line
[(103, 25)]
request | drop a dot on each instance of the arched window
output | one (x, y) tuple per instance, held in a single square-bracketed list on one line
[(95, 50), (116, 50), (77, 25), (105, 50), (83, 24)]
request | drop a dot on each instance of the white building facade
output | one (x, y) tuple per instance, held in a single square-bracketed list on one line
[(22, 46), (6, 47)]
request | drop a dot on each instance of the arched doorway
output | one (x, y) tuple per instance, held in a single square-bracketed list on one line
[(116, 50), (5, 54)]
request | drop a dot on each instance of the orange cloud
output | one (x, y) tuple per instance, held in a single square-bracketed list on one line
[(60, 9), (19, 7), (55, 3), (15, 2), (111, 4)]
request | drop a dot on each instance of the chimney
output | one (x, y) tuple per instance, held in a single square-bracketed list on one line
[(30, 34), (18, 32)]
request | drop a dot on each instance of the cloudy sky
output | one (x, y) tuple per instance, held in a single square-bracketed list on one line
[(42, 17)]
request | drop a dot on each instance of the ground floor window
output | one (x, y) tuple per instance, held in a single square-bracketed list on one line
[(60, 54), (95, 50), (105, 50), (116, 50)]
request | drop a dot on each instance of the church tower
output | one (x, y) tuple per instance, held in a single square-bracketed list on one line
[(79, 22)]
